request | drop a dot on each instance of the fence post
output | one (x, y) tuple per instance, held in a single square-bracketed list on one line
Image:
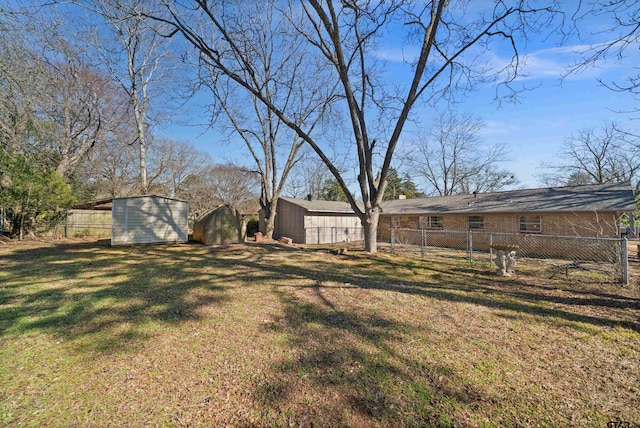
[(624, 261), (318, 232), (470, 247), (490, 250), (423, 247), (393, 241), (66, 224)]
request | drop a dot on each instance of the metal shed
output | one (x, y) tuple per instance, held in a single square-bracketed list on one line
[(149, 219)]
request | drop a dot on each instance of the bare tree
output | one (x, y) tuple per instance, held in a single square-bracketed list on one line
[(199, 191), (111, 167), (454, 157), (279, 66), (232, 184), (136, 55), (53, 102), (80, 99), (347, 37), (307, 176), (608, 154), (171, 162)]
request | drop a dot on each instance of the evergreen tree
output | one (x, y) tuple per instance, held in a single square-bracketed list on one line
[(331, 191), (400, 185)]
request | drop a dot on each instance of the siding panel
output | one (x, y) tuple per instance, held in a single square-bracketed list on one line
[(149, 219)]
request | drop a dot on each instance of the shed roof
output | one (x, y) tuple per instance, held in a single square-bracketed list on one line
[(107, 203), (587, 198), (149, 196), (247, 208), (316, 205)]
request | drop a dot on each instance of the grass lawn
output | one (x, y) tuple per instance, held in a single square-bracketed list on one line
[(267, 335)]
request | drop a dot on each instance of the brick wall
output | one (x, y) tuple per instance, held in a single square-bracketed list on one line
[(532, 245), (563, 224)]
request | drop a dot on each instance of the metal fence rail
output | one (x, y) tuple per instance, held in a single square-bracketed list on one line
[(599, 259), (3, 216)]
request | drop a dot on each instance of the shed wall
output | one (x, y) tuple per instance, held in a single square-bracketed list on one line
[(217, 227), (148, 219), (332, 228), (290, 222)]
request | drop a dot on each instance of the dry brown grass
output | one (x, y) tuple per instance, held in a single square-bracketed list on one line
[(267, 335)]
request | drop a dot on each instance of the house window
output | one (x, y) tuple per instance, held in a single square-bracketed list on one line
[(476, 222), (430, 222), (530, 224), (395, 221)]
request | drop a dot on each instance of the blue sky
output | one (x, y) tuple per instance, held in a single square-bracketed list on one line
[(534, 128)]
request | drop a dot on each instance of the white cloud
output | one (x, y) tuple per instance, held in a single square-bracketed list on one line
[(556, 63), (401, 54)]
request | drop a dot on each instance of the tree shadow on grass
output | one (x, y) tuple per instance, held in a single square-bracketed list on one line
[(100, 297), (352, 354), (347, 359), (479, 289), (92, 289), (347, 365)]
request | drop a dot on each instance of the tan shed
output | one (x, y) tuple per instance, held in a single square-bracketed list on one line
[(316, 221), (149, 219), (221, 225)]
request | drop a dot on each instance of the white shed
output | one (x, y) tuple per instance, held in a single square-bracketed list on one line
[(149, 219)]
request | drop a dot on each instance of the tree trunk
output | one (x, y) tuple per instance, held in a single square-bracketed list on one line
[(143, 165), (241, 225), (144, 184), (270, 211), (370, 225), (270, 222)]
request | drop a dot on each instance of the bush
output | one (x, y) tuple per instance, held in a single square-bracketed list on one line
[(253, 226)]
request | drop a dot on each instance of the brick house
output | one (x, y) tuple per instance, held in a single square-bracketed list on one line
[(589, 210)]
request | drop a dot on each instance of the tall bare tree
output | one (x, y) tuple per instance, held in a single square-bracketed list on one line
[(280, 68), (347, 37), (171, 162), (455, 158), (232, 184), (137, 56)]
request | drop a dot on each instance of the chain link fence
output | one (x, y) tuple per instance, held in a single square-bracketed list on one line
[(589, 259), (333, 235), (65, 224)]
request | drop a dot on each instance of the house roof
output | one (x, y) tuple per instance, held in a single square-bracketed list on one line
[(587, 198), (98, 204), (316, 205)]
